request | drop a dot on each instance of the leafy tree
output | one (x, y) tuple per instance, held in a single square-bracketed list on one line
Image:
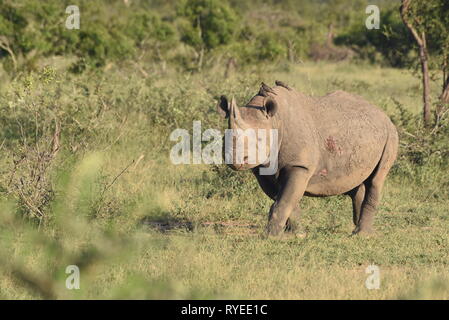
[(151, 34), (391, 44), (15, 40), (428, 22), (336, 14), (207, 24)]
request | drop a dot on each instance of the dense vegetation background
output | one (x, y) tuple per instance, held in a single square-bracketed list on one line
[(86, 180), (188, 34)]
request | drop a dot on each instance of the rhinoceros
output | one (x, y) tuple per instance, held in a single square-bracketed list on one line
[(330, 145)]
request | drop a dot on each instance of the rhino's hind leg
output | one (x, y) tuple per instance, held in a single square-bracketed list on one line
[(369, 207), (374, 185), (373, 189), (357, 195)]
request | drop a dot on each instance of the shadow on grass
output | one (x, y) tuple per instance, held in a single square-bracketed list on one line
[(167, 224), (171, 224)]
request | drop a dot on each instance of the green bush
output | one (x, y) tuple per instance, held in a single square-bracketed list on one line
[(104, 34), (191, 33), (392, 44), (210, 23), (423, 153)]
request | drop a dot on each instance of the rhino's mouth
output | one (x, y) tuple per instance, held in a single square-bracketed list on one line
[(244, 166)]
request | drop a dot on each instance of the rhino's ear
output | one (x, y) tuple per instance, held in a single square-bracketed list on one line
[(223, 107), (271, 106)]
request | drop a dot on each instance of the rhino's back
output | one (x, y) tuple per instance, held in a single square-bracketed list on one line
[(347, 115), (351, 135)]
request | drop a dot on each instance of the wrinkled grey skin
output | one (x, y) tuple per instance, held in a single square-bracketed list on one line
[(330, 145)]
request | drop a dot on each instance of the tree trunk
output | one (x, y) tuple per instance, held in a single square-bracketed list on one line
[(444, 98), (423, 58), (290, 50), (161, 59), (330, 35), (425, 82), (230, 67), (200, 59)]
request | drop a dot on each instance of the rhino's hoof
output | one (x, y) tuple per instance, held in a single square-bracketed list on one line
[(362, 231), (274, 230), (297, 231), (273, 235)]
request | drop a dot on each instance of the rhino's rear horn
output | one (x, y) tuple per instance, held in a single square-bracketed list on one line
[(271, 106), (223, 107)]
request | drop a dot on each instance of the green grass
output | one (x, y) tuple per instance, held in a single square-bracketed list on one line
[(150, 229)]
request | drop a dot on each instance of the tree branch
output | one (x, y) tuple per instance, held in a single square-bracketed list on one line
[(4, 44), (404, 13)]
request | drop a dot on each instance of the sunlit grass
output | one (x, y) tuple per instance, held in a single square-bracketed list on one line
[(140, 227)]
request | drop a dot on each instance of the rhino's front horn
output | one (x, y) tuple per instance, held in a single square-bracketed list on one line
[(234, 109), (235, 115)]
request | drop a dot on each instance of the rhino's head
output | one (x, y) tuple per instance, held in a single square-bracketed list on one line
[(249, 143)]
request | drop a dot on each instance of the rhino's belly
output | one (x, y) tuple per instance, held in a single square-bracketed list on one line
[(345, 165)]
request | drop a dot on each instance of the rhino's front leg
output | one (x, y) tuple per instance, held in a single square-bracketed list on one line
[(293, 224), (293, 184)]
